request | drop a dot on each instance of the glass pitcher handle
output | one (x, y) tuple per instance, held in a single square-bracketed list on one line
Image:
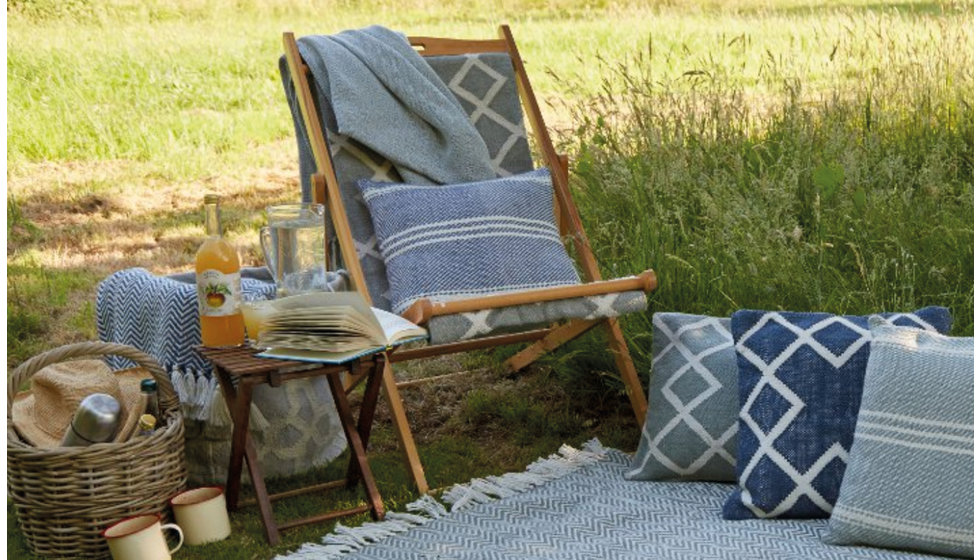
[(265, 240)]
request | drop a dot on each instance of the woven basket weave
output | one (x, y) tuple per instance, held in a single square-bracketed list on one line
[(66, 496)]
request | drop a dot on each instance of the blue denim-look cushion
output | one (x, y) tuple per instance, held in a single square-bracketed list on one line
[(909, 480), (800, 382), (456, 241)]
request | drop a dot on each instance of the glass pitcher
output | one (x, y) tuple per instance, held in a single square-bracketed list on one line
[(293, 245)]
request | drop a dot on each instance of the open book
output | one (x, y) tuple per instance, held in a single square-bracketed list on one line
[(331, 327)]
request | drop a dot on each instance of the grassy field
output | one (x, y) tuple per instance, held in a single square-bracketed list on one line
[(779, 154)]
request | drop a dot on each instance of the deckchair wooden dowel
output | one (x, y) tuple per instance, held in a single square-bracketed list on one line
[(426, 309), (558, 336), (404, 355), (440, 46)]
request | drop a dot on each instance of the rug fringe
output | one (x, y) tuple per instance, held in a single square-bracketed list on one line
[(345, 540)]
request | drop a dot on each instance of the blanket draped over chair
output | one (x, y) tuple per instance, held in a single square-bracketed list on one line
[(386, 97)]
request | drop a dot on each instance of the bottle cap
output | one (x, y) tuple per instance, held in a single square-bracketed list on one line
[(148, 385), (147, 422), (211, 199)]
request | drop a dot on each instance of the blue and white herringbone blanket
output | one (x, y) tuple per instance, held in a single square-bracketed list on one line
[(579, 506), (296, 425), (158, 314), (385, 96)]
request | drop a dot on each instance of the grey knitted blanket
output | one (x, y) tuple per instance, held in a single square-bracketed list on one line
[(385, 96)]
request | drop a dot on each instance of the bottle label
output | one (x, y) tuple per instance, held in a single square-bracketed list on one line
[(218, 294)]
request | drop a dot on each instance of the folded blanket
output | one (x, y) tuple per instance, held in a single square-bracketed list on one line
[(385, 96)]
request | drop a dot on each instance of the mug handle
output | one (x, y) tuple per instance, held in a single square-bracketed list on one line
[(180, 534)]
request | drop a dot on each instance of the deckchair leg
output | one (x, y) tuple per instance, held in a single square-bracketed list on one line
[(558, 336), (403, 431), (621, 355)]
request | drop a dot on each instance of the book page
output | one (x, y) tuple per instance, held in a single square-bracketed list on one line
[(396, 327), (342, 310)]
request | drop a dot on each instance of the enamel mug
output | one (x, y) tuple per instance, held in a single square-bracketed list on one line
[(202, 514), (141, 538)]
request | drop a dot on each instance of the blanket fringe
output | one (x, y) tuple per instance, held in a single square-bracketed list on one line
[(345, 540), (201, 399)]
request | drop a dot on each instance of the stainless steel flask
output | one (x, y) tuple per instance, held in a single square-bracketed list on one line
[(95, 421)]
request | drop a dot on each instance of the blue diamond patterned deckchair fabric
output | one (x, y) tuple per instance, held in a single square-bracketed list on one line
[(488, 81)]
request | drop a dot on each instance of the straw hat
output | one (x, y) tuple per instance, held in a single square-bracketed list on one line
[(42, 415)]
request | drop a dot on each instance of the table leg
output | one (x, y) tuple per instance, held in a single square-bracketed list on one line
[(243, 450), (365, 418), (357, 449)]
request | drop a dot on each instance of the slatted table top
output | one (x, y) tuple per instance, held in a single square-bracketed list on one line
[(242, 361)]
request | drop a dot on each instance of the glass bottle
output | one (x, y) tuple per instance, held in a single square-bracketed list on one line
[(218, 284), (149, 388)]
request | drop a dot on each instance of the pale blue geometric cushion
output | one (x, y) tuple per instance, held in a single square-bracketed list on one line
[(692, 419), (909, 480), (800, 382), (466, 240)]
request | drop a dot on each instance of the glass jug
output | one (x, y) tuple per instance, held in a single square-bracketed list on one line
[(293, 247)]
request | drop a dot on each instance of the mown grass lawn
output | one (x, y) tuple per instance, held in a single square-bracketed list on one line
[(780, 154)]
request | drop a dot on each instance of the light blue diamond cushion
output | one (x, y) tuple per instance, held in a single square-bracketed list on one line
[(692, 420), (909, 479), (800, 377), (466, 240)]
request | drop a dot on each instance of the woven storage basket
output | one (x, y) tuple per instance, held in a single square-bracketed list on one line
[(66, 496)]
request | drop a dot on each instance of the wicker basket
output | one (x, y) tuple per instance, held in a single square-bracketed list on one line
[(66, 496)]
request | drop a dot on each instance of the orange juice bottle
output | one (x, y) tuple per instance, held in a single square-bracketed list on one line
[(219, 284)]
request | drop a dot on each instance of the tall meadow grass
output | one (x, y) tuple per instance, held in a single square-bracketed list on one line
[(854, 196)]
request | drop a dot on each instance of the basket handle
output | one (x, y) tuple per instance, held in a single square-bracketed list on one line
[(168, 399)]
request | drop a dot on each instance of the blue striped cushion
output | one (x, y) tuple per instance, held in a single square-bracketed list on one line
[(466, 240), (909, 481)]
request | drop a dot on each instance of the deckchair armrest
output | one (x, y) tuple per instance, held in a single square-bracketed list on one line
[(424, 309)]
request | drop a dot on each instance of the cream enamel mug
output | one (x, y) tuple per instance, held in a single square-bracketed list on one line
[(202, 514), (141, 538)]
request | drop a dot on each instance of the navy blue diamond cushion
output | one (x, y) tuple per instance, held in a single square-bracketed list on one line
[(800, 377)]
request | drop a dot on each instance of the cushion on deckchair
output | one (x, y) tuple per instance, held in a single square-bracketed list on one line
[(468, 240), (463, 326), (485, 86)]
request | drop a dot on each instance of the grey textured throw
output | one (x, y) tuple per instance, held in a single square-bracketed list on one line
[(385, 96)]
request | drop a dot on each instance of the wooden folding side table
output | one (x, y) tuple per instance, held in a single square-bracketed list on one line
[(238, 370)]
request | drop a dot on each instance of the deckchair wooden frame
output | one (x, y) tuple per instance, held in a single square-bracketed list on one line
[(326, 190)]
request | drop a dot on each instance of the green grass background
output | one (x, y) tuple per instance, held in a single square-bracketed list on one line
[(780, 154)]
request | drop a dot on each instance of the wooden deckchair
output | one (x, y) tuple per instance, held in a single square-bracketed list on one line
[(326, 189)]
